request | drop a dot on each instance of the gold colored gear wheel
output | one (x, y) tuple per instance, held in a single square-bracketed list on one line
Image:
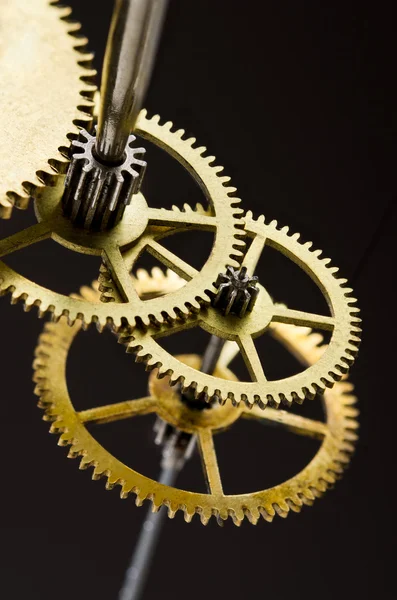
[(337, 434), (342, 324), (141, 228), (46, 91)]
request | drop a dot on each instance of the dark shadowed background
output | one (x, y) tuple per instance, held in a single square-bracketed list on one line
[(296, 100)]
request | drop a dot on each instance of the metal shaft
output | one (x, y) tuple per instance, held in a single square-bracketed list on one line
[(130, 51), (211, 354), (173, 461), (138, 570)]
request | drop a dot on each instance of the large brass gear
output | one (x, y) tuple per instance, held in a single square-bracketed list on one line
[(338, 434), (140, 229), (46, 93), (343, 325)]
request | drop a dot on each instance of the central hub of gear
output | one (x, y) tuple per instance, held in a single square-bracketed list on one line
[(253, 323), (174, 411), (131, 227)]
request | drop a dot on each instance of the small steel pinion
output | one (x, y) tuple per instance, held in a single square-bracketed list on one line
[(237, 292), (96, 194), (337, 434)]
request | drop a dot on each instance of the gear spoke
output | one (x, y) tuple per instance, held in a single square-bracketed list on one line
[(26, 237), (253, 254), (303, 319), (251, 358), (294, 423), (119, 411), (209, 461), (171, 260), (190, 219), (121, 276)]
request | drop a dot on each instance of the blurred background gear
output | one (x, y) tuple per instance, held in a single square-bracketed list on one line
[(47, 86)]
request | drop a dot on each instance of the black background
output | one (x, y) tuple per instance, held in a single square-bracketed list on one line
[(296, 101)]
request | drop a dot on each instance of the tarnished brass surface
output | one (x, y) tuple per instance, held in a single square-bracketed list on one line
[(45, 92), (337, 434), (342, 323), (142, 228)]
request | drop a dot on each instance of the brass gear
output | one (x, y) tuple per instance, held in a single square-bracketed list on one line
[(337, 434), (148, 285), (140, 229), (46, 93), (336, 360)]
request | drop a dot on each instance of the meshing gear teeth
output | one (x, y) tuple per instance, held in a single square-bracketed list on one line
[(141, 229), (343, 325), (43, 100), (337, 434)]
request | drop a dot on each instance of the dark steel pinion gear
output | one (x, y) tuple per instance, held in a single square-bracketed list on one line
[(237, 292), (96, 194)]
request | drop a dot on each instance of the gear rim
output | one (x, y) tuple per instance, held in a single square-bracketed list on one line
[(321, 473), (335, 362), (227, 248)]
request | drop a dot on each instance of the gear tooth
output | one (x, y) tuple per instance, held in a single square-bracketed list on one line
[(188, 516), (85, 463), (142, 275), (281, 508), (223, 514), (199, 208), (230, 189), (157, 273), (305, 500), (268, 516), (308, 494), (321, 488), (64, 439), (253, 515), (172, 510), (205, 515), (201, 150), (180, 133)]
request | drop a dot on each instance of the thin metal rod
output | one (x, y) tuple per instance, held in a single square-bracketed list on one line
[(130, 51), (137, 573), (211, 354)]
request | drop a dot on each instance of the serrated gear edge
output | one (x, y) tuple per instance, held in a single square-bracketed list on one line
[(342, 446), (56, 165), (147, 350), (233, 254)]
